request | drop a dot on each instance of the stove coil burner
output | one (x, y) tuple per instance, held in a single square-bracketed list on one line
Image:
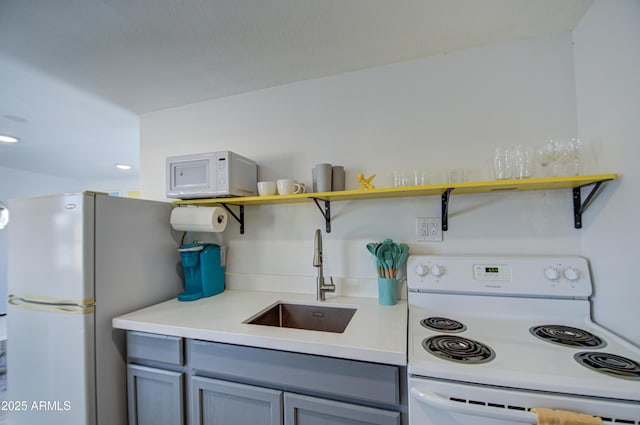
[(567, 336), (609, 364), (458, 349), (443, 324)]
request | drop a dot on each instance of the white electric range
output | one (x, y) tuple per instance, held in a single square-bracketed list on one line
[(492, 337)]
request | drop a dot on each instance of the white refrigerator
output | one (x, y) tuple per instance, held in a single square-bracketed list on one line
[(75, 261)]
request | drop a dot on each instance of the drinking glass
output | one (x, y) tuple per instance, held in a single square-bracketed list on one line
[(398, 178), (456, 175), (503, 163), (523, 161), (570, 157), (420, 178), (547, 156)]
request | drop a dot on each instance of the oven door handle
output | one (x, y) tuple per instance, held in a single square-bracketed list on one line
[(434, 400)]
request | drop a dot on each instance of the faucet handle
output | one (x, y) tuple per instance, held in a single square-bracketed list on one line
[(331, 285)]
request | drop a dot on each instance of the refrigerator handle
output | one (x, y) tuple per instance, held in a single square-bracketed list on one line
[(51, 308)]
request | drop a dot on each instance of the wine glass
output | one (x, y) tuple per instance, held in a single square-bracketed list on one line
[(547, 155), (577, 148), (569, 157)]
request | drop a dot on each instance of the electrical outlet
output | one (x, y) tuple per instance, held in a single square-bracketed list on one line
[(428, 229)]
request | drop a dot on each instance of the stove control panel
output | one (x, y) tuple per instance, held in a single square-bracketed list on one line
[(492, 272), (513, 276), (571, 274), (433, 269), (422, 270), (552, 273), (437, 270), (555, 273)]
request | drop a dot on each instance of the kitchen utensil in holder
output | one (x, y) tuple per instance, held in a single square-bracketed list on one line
[(387, 291)]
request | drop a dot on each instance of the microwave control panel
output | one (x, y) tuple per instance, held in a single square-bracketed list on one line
[(222, 173)]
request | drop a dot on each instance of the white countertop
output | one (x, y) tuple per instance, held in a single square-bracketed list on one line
[(376, 333)]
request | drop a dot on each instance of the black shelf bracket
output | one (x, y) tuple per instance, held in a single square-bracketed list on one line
[(579, 207), (239, 219), (326, 213), (445, 209)]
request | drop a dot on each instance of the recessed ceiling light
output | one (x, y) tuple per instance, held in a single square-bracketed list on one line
[(7, 139), (123, 166)]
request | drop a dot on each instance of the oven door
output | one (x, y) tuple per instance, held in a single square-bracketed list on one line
[(441, 402)]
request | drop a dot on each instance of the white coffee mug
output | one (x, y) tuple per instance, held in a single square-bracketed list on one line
[(289, 186), (267, 188)]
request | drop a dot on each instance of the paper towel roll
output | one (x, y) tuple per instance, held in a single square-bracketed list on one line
[(199, 219)]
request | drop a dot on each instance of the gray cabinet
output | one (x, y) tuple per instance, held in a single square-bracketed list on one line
[(155, 379), (215, 402), (227, 384), (314, 389), (155, 396), (305, 410)]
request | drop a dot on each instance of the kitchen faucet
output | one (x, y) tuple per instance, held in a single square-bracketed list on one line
[(317, 262)]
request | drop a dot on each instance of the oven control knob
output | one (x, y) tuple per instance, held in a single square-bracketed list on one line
[(422, 270), (571, 274), (551, 273), (437, 270)]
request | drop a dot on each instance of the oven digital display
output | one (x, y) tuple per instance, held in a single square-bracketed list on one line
[(492, 272)]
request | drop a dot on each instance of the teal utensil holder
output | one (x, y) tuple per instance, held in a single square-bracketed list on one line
[(387, 291)]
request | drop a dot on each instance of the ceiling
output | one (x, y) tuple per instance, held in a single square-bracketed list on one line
[(76, 74)]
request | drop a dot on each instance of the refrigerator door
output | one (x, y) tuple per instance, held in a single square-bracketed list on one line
[(51, 248), (83, 252), (50, 364)]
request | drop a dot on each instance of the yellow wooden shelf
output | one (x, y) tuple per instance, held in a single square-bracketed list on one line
[(443, 190)]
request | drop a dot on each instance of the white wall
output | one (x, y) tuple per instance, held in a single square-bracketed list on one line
[(438, 113), (607, 64), (121, 187)]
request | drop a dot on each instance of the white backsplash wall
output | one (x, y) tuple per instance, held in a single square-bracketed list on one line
[(607, 60), (436, 114)]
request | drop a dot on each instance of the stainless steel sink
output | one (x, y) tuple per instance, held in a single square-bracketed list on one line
[(305, 316)]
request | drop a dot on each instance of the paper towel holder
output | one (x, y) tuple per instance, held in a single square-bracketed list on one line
[(239, 219)]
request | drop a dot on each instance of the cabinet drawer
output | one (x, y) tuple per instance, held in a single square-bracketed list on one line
[(154, 347), (337, 378)]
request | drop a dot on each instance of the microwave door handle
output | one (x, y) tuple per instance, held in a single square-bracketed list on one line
[(439, 402)]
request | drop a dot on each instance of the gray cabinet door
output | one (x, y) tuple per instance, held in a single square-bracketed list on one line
[(305, 410), (215, 402), (155, 396)]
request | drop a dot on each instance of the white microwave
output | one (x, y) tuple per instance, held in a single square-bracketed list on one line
[(211, 175)]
